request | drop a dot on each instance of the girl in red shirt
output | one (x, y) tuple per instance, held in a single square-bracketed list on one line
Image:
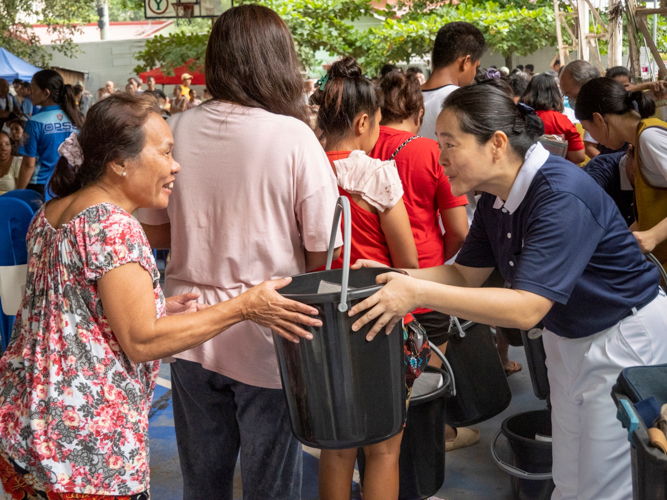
[(543, 95), (349, 118)]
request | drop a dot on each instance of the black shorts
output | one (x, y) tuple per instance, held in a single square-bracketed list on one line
[(436, 325)]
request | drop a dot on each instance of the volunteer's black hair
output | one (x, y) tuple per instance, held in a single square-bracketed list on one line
[(518, 84), (456, 40), (61, 93), (542, 94), (608, 97), (483, 110)]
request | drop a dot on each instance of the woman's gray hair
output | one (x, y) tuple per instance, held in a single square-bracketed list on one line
[(582, 72)]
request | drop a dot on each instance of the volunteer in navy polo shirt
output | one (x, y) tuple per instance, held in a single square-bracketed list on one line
[(568, 260), (47, 130)]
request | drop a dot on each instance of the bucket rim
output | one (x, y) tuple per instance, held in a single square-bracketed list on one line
[(439, 392), (334, 297), (516, 437)]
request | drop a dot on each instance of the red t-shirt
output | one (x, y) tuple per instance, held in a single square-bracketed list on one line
[(368, 241), (426, 189), (559, 124)]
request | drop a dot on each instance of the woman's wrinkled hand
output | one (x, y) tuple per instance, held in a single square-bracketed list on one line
[(183, 304), (266, 307), (398, 297)]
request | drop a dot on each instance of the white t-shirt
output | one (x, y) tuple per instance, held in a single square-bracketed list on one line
[(433, 100), (8, 181), (653, 155), (255, 190)]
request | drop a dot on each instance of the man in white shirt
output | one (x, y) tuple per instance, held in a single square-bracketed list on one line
[(574, 76), (457, 50)]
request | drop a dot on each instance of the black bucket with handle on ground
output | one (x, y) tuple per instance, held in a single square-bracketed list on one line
[(529, 437), (342, 391)]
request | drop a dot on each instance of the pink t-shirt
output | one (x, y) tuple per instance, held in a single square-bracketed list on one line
[(255, 190)]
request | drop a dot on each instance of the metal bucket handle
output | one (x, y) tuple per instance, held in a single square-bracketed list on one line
[(343, 204), (447, 366), (655, 261), (515, 471)]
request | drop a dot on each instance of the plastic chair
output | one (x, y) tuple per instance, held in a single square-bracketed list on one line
[(15, 218), (32, 198)]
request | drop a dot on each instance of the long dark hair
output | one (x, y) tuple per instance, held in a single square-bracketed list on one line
[(251, 61), (542, 94), (401, 96), (63, 95), (346, 94), (113, 131), (483, 110), (608, 97)]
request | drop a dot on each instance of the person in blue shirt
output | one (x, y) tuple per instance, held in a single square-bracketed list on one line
[(27, 107), (569, 260), (46, 131)]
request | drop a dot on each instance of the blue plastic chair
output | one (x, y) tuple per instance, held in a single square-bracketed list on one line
[(15, 218), (32, 198)]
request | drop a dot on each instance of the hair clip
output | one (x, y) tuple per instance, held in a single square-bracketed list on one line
[(525, 109), (321, 83), (494, 74)]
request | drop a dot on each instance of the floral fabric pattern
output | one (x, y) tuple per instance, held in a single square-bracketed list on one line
[(73, 407)]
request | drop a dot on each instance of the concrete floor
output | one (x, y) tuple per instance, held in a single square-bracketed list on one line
[(470, 474)]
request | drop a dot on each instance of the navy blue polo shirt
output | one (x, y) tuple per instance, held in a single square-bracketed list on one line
[(560, 236)]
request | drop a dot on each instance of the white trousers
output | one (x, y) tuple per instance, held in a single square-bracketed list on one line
[(591, 452)]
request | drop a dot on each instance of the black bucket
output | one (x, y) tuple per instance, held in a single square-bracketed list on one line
[(536, 358), (422, 460), (482, 391), (342, 391), (530, 469), (511, 335)]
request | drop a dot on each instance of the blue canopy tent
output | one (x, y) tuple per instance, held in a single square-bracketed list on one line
[(12, 67)]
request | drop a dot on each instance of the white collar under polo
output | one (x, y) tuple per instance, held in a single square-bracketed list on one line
[(535, 158)]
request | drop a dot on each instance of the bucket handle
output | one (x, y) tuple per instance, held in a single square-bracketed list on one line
[(655, 261), (342, 205), (515, 471), (448, 368)]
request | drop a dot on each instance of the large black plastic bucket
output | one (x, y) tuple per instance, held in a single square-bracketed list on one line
[(530, 469), (482, 391), (422, 459), (342, 391)]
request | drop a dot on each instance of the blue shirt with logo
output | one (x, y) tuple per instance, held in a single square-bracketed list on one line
[(45, 132), (559, 235)]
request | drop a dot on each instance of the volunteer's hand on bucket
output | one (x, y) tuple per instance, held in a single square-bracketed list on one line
[(266, 307), (397, 298)]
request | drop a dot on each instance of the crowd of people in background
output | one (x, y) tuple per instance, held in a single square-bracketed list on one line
[(444, 167)]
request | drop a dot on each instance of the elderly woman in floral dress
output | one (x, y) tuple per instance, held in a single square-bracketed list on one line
[(77, 379)]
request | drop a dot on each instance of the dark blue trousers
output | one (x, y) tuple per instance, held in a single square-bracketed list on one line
[(215, 417)]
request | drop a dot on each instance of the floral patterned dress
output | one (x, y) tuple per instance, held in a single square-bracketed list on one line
[(73, 407)]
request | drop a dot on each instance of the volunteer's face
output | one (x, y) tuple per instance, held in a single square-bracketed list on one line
[(5, 148), (464, 160), (623, 80), (150, 178), (605, 130)]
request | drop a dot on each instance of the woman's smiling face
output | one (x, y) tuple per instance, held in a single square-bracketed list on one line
[(464, 160)]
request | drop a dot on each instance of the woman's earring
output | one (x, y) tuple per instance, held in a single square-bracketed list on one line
[(124, 174)]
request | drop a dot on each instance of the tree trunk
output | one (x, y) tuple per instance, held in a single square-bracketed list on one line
[(508, 61)]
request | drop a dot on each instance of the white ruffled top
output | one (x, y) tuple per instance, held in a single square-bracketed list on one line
[(376, 181)]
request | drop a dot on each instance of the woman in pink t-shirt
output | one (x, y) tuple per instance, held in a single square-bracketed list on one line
[(255, 200)]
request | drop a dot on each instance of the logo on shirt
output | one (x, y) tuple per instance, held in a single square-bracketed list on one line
[(60, 117), (56, 128)]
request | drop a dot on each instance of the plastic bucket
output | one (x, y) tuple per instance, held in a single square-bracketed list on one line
[(536, 357), (530, 469), (481, 387), (422, 459), (342, 391)]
